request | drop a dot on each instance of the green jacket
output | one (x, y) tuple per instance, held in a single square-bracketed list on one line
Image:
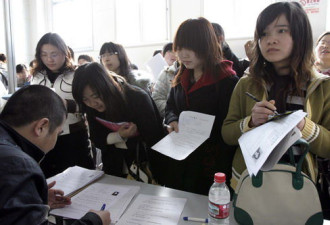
[(316, 130)]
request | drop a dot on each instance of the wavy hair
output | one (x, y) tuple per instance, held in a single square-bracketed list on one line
[(302, 57)]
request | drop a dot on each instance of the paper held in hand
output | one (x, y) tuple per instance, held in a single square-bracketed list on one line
[(194, 129), (263, 146)]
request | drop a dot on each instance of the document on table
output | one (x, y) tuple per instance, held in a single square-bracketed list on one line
[(74, 178), (263, 146), (194, 129), (116, 198), (151, 210)]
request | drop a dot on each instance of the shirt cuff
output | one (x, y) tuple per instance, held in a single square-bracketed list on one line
[(244, 125), (311, 131), (117, 140)]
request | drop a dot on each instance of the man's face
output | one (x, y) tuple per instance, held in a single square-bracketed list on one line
[(48, 141)]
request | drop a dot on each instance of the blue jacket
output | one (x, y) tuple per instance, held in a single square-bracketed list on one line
[(23, 188)]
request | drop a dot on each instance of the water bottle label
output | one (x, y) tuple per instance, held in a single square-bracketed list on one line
[(218, 211)]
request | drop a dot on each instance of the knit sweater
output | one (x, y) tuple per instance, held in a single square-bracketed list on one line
[(315, 132)]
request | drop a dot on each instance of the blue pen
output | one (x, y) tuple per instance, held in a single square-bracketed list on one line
[(103, 207), (193, 219)]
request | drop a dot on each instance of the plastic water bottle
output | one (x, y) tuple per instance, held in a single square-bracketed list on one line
[(219, 201)]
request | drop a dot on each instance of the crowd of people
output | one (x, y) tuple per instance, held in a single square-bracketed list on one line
[(58, 107)]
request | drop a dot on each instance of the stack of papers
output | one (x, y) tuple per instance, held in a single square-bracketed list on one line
[(74, 178), (263, 146)]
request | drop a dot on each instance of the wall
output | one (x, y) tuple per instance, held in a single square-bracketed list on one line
[(31, 22)]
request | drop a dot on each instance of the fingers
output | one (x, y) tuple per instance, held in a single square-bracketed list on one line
[(52, 184), (128, 130), (173, 126), (261, 111)]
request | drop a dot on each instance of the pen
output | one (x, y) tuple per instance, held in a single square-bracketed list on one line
[(168, 126), (103, 207), (257, 100), (193, 219)]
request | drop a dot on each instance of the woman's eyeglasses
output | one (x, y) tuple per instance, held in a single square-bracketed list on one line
[(108, 54)]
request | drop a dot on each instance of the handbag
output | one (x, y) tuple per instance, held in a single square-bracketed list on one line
[(282, 195), (139, 170)]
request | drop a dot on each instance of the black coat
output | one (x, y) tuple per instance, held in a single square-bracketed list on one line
[(23, 188), (195, 173), (143, 112)]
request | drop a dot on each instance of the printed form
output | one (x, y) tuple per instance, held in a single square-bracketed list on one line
[(153, 210), (263, 146), (116, 198), (194, 129)]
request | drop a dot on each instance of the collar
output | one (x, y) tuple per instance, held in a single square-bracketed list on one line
[(207, 78), (16, 139)]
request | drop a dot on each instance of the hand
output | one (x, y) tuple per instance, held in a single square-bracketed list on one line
[(173, 126), (104, 215), (127, 130), (261, 111), (301, 124), (249, 49), (56, 198)]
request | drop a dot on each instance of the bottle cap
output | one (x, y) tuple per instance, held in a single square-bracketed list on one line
[(220, 177)]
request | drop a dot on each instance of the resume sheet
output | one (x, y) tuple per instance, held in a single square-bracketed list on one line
[(153, 210), (263, 146), (116, 198), (194, 129)]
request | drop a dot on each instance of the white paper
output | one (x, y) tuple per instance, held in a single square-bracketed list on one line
[(258, 143), (153, 210), (74, 178), (116, 198), (194, 129), (156, 64)]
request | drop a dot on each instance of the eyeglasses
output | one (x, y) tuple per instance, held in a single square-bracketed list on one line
[(52, 55), (108, 54)]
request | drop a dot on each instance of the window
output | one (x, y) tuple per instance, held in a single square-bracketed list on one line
[(72, 20), (141, 21), (237, 17)]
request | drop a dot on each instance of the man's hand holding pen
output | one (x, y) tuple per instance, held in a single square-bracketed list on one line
[(173, 126)]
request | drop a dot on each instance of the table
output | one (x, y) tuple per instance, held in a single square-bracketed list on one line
[(196, 205)]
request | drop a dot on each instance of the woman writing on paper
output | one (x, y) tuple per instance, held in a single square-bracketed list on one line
[(108, 96), (281, 75), (203, 84)]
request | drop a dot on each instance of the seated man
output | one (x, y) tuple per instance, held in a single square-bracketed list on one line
[(29, 125)]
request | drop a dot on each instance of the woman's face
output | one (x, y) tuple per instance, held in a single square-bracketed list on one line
[(111, 61), (170, 57), (323, 50), (189, 59), (93, 100), (276, 42), (52, 57)]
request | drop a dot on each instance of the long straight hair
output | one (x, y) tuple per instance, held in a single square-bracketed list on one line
[(108, 86), (125, 65), (55, 40), (198, 35), (302, 57)]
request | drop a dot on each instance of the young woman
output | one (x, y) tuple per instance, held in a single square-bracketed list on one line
[(114, 58), (281, 75), (203, 84), (107, 96), (323, 53), (53, 68)]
